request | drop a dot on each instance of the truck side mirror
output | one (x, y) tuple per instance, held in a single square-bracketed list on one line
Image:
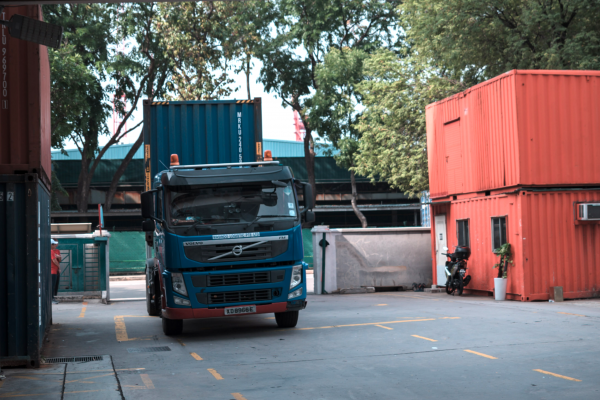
[(147, 199), (148, 225), (309, 202), (309, 217)]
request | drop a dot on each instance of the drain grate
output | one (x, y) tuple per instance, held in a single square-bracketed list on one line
[(60, 360), (148, 349)]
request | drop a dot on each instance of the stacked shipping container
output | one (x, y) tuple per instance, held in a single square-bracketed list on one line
[(523, 148), (25, 171)]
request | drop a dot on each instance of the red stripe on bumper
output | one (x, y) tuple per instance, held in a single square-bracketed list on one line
[(190, 313)]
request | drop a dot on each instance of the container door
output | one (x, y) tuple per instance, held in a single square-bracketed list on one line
[(70, 267), (440, 242)]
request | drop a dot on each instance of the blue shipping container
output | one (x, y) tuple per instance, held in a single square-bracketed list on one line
[(201, 132)]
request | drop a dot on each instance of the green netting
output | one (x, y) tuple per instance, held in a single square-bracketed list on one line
[(308, 247), (127, 252)]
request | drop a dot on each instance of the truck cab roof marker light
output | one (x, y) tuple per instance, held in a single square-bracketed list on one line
[(174, 160)]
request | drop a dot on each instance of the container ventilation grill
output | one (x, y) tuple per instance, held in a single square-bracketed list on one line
[(60, 360), (148, 349)]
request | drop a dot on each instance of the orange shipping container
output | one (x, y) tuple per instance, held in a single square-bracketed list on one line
[(523, 128), (24, 102), (550, 246)]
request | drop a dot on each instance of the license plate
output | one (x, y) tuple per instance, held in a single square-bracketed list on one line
[(240, 310)]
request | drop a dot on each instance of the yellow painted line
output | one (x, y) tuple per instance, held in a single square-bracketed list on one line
[(481, 354), (557, 375), (215, 374), (423, 337), (379, 305), (368, 323), (385, 327), (83, 309), (120, 328), (147, 381), (82, 380), (27, 377), (568, 313), (270, 318), (196, 356), (238, 396), (180, 342)]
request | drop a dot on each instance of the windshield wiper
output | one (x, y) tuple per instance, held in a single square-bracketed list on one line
[(266, 216)]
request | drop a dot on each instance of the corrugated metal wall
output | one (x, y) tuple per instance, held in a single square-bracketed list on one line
[(520, 128), (24, 102), (25, 280), (549, 248)]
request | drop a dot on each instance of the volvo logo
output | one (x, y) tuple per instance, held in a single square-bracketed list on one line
[(237, 250)]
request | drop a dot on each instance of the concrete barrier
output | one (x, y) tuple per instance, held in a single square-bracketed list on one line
[(356, 259)]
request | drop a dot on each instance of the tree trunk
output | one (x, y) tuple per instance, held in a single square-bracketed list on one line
[(309, 159), (121, 170), (83, 184), (361, 217), (248, 77)]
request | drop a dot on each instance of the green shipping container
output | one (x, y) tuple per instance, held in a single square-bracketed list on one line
[(127, 253)]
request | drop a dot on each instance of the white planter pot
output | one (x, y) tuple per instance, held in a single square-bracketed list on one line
[(500, 288)]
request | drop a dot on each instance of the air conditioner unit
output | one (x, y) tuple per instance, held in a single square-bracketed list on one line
[(589, 212)]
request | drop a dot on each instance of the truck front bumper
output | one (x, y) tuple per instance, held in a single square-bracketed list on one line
[(191, 313)]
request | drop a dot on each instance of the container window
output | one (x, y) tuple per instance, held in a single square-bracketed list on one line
[(462, 232), (498, 232)]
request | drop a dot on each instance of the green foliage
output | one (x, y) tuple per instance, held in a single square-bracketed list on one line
[(393, 144), (485, 38), (505, 258), (57, 189)]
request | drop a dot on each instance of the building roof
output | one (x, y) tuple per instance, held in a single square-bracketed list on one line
[(279, 148)]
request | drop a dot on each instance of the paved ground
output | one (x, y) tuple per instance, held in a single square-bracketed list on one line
[(369, 346)]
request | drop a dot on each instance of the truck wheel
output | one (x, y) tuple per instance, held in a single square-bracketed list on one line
[(287, 319), (172, 326), (152, 305)]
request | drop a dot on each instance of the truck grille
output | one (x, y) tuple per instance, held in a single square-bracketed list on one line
[(247, 278), (235, 251), (245, 296)]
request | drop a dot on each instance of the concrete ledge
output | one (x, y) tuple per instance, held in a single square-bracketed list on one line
[(358, 290), (119, 278)]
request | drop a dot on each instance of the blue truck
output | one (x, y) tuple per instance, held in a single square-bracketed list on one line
[(226, 236)]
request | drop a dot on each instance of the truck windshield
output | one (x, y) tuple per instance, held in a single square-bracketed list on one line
[(239, 204)]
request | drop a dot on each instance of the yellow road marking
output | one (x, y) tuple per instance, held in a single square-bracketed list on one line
[(423, 337), (1, 383), (83, 309), (368, 323), (270, 318), (90, 377), (180, 342), (196, 356), (557, 375), (147, 381), (381, 305), (238, 396), (27, 377), (481, 354), (568, 313), (215, 374), (121, 330), (385, 327)]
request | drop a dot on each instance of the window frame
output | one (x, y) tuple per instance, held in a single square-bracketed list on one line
[(458, 224), (499, 217)]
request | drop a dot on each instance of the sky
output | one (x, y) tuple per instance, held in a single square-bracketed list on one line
[(278, 122)]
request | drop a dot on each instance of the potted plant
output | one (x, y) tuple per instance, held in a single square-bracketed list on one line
[(502, 265)]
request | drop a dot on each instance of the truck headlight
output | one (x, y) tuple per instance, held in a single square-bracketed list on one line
[(296, 276), (181, 302), (178, 283), (296, 293)]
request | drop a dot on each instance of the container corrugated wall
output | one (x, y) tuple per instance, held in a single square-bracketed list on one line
[(550, 248), (24, 102), (25, 277), (201, 132), (520, 128)]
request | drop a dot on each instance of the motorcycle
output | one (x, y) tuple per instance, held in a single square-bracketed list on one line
[(456, 270)]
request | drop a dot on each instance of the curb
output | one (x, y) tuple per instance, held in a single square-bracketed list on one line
[(127, 278)]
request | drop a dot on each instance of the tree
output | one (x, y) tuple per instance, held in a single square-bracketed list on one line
[(393, 145), (333, 111), (57, 189), (489, 37), (79, 109), (305, 31)]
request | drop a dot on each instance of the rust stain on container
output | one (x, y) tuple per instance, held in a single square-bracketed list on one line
[(24, 102), (524, 127)]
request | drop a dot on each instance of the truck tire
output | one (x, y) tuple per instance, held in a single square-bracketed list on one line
[(152, 304), (287, 319), (172, 326)]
